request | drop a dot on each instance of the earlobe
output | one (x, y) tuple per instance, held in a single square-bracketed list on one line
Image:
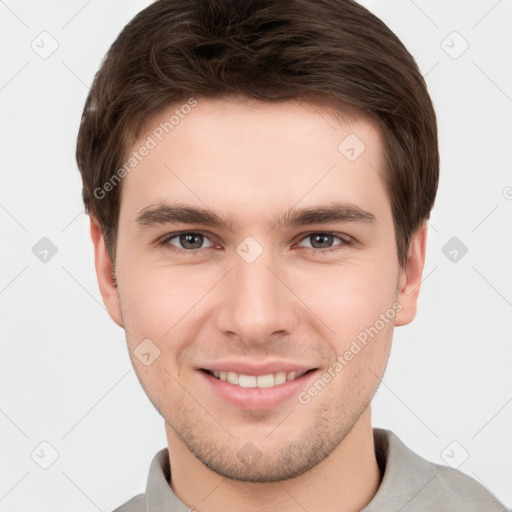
[(410, 278), (105, 273)]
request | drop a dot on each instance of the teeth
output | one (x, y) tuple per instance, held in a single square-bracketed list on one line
[(247, 381), (233, 378), (279, 378), (265, 381), (261, 381)]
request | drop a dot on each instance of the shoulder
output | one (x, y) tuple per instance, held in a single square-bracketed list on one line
[(450, 486), (136, 504), (411, 483), (158, 491)]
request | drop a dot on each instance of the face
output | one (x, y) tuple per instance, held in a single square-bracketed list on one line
[(259, 329)]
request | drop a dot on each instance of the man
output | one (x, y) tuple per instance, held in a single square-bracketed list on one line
[(258, 176)]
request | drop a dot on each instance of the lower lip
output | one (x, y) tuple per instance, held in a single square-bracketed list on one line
[(257, 399)]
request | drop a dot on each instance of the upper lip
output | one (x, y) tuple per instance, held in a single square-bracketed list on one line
[(257, 369)]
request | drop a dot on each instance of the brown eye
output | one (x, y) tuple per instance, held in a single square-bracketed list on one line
[(323, 241), (188, 241)]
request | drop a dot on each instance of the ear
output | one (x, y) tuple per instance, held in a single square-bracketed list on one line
[(410, 278), (105, 273)]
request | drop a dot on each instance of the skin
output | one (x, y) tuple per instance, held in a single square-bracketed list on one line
[(252, 161)]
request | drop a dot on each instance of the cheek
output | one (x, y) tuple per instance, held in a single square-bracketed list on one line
[(158, 302), (349, 297)]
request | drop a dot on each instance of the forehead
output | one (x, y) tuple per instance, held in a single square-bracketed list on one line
[(247, 154)]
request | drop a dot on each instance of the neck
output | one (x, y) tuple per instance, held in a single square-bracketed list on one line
[(345, 481)]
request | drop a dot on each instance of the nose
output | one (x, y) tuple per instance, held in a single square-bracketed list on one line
[(256, 301)]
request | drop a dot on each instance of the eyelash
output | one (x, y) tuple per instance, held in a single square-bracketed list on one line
[(345, 241)]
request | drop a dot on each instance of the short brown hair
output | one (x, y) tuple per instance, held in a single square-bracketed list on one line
[(269, 50)]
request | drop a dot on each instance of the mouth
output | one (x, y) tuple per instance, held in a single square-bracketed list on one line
[(270, 380)]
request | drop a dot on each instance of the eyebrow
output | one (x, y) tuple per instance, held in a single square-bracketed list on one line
[(164, 213)]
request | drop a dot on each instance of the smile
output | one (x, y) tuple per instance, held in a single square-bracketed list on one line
[(252, 381)]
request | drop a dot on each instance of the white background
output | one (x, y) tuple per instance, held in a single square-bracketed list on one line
[(65, 373)]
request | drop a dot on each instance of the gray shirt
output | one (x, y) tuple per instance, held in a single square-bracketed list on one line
[(409, 484)]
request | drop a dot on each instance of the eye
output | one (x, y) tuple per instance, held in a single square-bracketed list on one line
[(189, 241), (192, 242), (321, 242)]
